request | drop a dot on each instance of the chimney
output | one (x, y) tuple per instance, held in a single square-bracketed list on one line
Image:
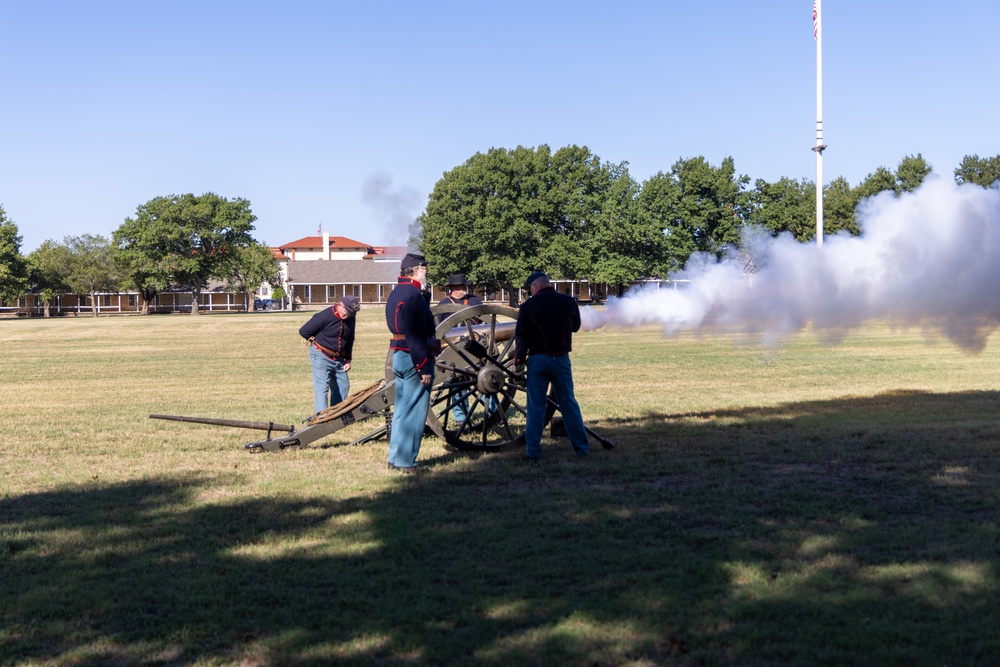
[(326, 245)]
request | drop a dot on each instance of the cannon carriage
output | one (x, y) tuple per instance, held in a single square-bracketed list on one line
[(477, 398)]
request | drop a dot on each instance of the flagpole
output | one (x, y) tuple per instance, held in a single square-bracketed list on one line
[(820, 146)]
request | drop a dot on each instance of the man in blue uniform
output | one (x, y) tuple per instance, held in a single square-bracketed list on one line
[(543, 338), (408, 315), (458, 293), (331, 334)]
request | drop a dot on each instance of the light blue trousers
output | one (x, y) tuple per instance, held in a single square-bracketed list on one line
[(330, 382), (409, 412)]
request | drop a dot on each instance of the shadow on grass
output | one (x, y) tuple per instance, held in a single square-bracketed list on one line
[(852, 531)]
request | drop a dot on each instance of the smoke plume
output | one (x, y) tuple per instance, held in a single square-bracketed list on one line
[(928, 259), (395, 208)]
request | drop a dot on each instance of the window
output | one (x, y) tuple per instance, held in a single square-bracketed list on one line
[(132, 301)]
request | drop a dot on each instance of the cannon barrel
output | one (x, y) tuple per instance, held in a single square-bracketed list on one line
[(260, 426), (500, 331)]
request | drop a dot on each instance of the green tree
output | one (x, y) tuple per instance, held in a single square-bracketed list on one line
[(13, 267), (249, 268), (48, 269), (656, 203), (911, 172), (909, 175), (90, 269), (184, 240), (700, 208), (622, 243), (278, 294), (839, 202), (982, 171), (878, 181), (505, 213), (142, 266), (784, 206)]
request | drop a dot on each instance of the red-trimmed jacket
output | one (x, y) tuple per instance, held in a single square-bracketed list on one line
[(331, 332), (408, 314)]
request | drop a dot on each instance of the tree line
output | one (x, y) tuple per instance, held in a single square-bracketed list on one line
[(175, 241), (497, 217), (506, 213)]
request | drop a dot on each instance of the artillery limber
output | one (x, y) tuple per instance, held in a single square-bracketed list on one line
[(477, 399)]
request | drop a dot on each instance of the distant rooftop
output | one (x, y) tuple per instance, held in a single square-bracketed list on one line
[(316, 243)]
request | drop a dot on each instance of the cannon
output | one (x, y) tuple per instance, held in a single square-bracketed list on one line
[(477, 398)]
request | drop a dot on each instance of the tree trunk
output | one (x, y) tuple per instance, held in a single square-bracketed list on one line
[(511, 295), (195, 296), (45, 309), (147, 296), (93, 304)]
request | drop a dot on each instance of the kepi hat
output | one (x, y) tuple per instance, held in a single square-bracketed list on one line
[(351, 303), (533, 277), (412, 259)]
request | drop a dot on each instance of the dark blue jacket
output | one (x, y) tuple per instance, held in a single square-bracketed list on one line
[(545, 325), (331, 332), (469, 299), (407, 313)]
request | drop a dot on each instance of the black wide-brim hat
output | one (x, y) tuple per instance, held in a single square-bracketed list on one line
[(457, 280)]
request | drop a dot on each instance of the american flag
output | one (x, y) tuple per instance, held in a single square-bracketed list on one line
[(319, 230), (815, 21)]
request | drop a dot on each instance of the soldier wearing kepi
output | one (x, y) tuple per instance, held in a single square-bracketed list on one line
[(543, 338), (330, 333), (414, 348)]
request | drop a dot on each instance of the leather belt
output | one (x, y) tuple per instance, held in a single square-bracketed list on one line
[(333, 354)]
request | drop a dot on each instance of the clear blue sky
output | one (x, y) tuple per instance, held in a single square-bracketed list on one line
[(346, 114)]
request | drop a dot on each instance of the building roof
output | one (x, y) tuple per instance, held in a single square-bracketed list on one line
[(383, 251), (349, 271), (316, 243)]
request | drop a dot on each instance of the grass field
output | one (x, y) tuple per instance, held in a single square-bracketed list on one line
[(808, 505)]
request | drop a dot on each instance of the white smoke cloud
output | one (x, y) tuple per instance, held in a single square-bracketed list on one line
[(929, 259)]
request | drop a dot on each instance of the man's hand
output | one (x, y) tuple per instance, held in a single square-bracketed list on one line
[(308, 341), (347, 366), (426, 380)]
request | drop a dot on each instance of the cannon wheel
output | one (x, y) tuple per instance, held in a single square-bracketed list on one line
[(475, 373)]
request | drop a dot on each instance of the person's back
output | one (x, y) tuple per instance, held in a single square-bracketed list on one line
[(543, 340), (546, 323)]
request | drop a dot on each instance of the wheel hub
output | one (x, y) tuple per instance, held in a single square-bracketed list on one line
[(489, 380)]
